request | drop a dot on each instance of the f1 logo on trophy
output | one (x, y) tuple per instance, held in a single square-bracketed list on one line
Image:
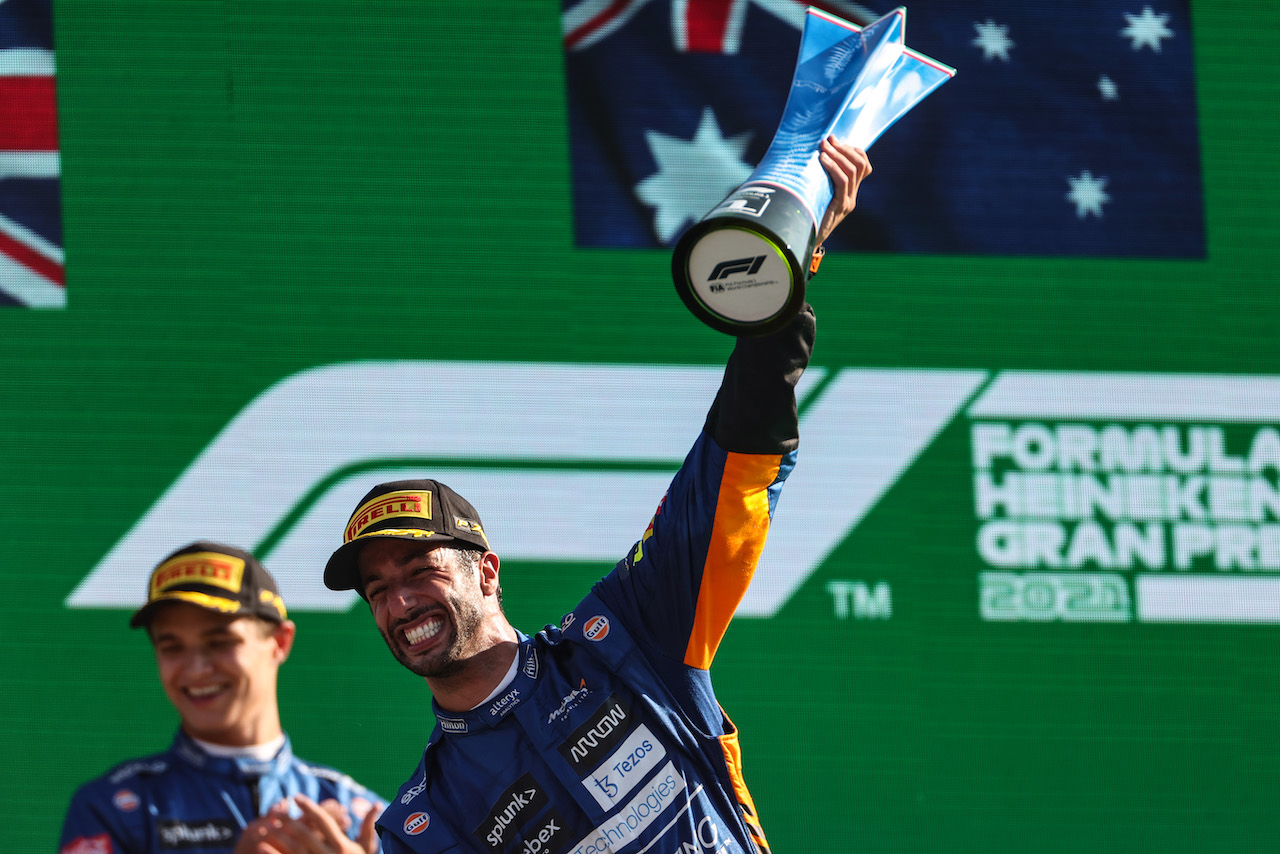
[(743, 267)]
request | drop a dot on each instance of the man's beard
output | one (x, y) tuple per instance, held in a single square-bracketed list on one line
[(450, 658)]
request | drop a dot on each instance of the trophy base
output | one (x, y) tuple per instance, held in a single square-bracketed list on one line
[(740, 270)]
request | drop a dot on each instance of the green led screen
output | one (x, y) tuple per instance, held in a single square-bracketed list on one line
[(1024, 588)]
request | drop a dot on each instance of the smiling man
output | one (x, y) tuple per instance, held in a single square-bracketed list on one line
[(230, 782), (601, 735)]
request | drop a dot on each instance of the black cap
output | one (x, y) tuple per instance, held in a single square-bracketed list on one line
[(213, 576), (424, 510)]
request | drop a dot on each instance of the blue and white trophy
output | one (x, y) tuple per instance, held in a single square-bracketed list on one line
[(742, 269)]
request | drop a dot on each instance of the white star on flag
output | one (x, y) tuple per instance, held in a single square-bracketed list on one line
[(1108, 88), (691, 171), (1147, 29), (994, 40), (1088, 194)]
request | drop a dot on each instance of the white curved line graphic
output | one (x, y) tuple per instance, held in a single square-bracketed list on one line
[(335, 431)]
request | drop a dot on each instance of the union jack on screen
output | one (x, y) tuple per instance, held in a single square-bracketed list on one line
[(31, 255), (1069, 129)]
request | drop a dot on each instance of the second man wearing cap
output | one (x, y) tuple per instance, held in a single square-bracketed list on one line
[(229, 782)]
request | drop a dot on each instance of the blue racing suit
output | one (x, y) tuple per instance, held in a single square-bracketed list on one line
[(185, 799), (609, 738)]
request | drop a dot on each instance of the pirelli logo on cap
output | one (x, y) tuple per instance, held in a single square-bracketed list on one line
[(211, 568), (406, 502), (274, 600)]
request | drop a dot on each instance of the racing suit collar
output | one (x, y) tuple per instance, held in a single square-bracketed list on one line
[(490, 713), (186, 749)]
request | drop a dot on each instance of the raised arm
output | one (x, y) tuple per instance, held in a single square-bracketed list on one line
[(679, 585)]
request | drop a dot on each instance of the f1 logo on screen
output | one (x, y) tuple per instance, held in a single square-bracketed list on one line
[(1096, 496)]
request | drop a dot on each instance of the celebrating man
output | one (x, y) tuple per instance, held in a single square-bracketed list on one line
[(230, 782), (602, 734)]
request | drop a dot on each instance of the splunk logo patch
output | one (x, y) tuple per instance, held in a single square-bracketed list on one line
[(513, 809), (209, 833)]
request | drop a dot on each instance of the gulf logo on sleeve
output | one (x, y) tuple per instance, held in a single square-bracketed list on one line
[(596, 628), (416, 823)]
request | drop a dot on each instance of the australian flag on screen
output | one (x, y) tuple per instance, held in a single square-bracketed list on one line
[(1069, 129), (31, 258)]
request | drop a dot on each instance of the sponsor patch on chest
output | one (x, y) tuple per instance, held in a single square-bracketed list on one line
[(592, 742), (175, 835), (513, 809), (618, 775)]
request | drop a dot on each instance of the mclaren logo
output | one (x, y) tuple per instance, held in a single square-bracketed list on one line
[(746, 266)]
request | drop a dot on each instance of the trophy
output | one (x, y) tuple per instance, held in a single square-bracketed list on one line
[(743, 267)]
